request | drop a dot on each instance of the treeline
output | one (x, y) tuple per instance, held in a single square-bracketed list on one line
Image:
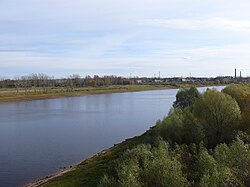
[(73, 81), (203, 142)]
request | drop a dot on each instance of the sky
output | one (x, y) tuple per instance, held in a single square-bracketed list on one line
[(123, 37)]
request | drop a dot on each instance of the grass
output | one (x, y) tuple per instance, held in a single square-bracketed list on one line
[(7, 95), (11, 94)]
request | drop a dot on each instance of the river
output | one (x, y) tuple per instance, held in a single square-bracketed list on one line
[(37, 138)]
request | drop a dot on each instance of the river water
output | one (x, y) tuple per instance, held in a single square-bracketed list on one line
[(37, 138)]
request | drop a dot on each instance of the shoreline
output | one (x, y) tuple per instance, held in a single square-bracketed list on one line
[(44, 180), (23, 98), (94, 91)]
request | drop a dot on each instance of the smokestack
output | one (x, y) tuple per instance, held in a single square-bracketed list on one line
[(240, 74), (235, 73)]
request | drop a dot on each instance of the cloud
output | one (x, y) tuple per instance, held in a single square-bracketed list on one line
[(201, 61), (12, 50), (75, 42), (201, 24), (63, 37)]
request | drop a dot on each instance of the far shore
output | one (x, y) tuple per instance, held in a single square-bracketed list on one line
[(10, 95), (76, 93)]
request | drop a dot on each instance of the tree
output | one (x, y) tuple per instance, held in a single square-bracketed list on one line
[(192, 129), (181, 127), (241, 93), (226, 166), (219, 114), (220, 177), (147, 166), (171, 128), (17, 84), (237, 157), (186, 97), (76, 80)]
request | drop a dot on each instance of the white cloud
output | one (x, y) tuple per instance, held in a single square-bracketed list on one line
[(200, 24), (92, 35), (75, 42), (209, 61)]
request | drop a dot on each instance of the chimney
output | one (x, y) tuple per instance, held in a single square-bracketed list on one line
[(240, 74), (235, 73)]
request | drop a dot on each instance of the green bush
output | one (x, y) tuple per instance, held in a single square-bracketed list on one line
[(181, 127), (241, 93), (219, 115), (146, 166), (186, 97)]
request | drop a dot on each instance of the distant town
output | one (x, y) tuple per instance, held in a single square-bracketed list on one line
[(213, 80)]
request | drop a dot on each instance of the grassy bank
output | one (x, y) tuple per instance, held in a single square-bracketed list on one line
[(8, 95), (11, 94)]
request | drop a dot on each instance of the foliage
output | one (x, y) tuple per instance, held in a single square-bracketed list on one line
[(219, 115), (227, 166), (147, 166), (241, 93), (186, 97), (214, 118), (181, 127)]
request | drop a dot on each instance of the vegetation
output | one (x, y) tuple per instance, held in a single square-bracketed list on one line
[(162, 166), (185, 98), (10, 94), (203, 142), (147, 166), (241, 93), (219, 115), (41, 80), (42, 86), (23, 93)]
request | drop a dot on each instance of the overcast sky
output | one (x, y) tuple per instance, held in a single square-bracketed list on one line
[(142, 37)]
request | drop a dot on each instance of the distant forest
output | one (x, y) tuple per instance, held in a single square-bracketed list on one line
[(73, 81), (39, 82)]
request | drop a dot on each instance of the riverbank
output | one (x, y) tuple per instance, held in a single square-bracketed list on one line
[(11, 95)]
